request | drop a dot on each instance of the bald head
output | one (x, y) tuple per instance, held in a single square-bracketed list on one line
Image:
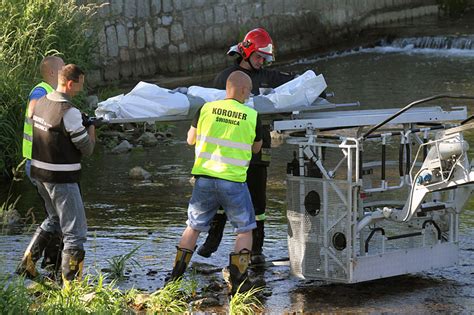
[(238, 86), (49, 68)]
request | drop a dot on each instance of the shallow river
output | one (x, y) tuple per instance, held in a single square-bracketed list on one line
[(123, 213)]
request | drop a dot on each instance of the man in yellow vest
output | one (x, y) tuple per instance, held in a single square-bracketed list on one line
[(49, 69), (225, 134), (43, 242)]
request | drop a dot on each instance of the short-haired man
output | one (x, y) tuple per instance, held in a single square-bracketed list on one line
[(59, 142), (49, 69), (43, 242), (225, 133), (253, 52)]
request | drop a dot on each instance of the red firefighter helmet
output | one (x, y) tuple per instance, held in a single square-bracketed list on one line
[(259, 41)]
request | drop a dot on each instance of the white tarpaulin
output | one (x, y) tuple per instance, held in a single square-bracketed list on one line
[(207, 94), (301, 91), (145, 100), (151, 101)]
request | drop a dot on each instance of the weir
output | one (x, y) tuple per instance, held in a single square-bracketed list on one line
[(433, 42)]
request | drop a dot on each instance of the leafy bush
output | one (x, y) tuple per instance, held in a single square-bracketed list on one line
[(31, 30)]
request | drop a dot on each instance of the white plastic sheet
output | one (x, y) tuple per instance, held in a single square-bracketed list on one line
[(301, 91), (208, 94), (151, 101), (145, 100)]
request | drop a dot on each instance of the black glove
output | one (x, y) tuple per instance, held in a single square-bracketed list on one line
[(97, 122), (85, 120), (89, 121)]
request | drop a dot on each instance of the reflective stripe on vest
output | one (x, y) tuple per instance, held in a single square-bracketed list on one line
[(225, 143), (56, 167), (225, 134), (222, 159), (28, 125)]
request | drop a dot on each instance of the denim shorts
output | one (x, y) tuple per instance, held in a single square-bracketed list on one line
[(211, 193)]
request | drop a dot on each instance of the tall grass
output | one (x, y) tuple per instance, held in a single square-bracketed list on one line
[(89, 296), (172, 299), (93, 295), (118, 263), (246, 302), (30, 30), (14, 296), (10, 202)]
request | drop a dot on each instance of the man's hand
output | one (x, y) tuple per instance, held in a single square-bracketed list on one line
[(92, 121)]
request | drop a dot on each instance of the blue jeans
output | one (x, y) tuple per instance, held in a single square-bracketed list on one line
[(66, 212), (211, 193), (28, 170)]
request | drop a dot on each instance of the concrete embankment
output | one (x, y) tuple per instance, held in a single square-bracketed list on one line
[(145, 38)]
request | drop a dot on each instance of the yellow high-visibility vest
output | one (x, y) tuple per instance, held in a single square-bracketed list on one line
[(28, 126), (225, 134)]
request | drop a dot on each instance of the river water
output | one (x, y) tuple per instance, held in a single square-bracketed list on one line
[(123, 214)]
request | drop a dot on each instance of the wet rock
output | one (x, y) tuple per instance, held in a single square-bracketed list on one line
[(214, 286), (204, 268), (151, 272), (206, 302), (123, 147), (113, 134), (140, 301), (160, 135), (148, 139), (139, 173), (92, 101)]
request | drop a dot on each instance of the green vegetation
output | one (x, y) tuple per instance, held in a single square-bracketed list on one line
[(30, 30), (246, 302), (118, 263), (10, 203), (14, 297), (91, 296), (173, 298)]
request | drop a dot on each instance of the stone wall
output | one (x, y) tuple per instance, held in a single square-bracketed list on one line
[(141, 38)]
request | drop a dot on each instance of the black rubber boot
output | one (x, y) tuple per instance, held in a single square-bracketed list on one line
[(258, 235), (238, 271), (33, 253), (52, 256), (72, 264), (214, 236), (181, 262)]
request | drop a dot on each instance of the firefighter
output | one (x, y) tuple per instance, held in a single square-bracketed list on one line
[(253, 53)]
